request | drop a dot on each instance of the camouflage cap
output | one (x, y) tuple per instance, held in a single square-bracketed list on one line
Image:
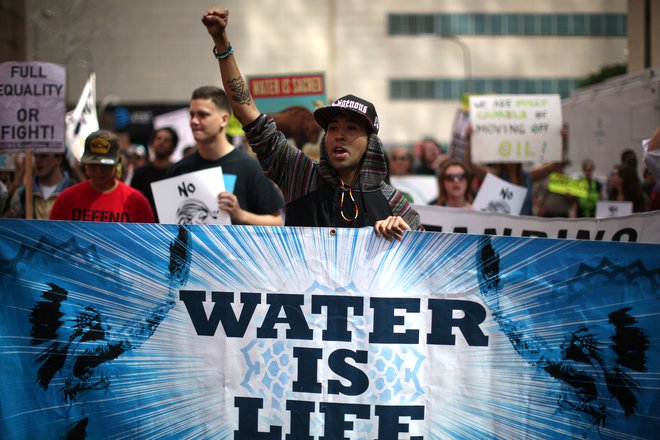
[(101, 148)]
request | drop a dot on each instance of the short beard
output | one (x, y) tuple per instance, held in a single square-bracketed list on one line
[(163, 156)]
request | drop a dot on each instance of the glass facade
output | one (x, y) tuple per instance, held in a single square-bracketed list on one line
[(523, 25), (588, 25), (453, 89)]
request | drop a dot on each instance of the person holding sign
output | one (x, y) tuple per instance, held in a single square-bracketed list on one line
[(514, 173), (429, 155), (625, 186), (102, 197), (587, 205), (254, 199), (346, 187), (50, 179)]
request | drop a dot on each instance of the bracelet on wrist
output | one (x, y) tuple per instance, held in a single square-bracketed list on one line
[(223, 55)]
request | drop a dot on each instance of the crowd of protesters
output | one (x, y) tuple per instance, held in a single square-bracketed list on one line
[(345, 188), (349, 186), (458, 181), (622, 181)]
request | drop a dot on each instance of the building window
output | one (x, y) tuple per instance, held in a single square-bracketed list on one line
[(580, 25), (594, 25), (563, 27), (453, 89)]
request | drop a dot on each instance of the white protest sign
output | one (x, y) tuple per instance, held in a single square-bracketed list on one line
[(609, 208), (422, 189), (516, 128), (641, 228), (32, 106), (459, 135), (191, 199), (179, 120), (83, 120), (498, 195)]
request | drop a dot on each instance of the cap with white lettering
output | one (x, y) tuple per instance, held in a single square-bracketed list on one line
[(352, 105)]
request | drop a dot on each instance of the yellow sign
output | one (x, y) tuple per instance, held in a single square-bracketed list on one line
[(563, 184)]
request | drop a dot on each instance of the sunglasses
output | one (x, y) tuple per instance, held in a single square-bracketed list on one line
[(454, 177), (398, 158)]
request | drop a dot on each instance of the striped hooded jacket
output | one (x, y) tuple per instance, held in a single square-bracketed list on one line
[(313, 192)]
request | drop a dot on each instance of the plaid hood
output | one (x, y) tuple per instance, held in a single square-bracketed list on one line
[(313, 187), (372, 169)]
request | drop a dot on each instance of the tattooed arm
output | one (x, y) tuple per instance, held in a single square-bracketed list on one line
[(242, 104)]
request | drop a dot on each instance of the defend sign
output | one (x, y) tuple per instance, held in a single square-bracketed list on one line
[(516, 128), (32, 106)]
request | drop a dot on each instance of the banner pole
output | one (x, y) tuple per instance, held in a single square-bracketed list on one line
[(27, 182)]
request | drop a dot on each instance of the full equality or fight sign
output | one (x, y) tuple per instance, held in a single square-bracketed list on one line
[(235, 332), (32, 107)]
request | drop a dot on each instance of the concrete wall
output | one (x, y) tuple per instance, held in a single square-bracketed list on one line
[(12, 30), (157, 51), (643, 35)]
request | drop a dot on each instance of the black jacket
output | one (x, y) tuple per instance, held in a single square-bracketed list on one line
[(313, 192)]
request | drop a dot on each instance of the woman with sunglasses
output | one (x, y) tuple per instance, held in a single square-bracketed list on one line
[(454, 188)]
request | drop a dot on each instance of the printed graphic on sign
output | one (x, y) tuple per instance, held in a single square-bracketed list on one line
[(499, 196), (32, 107), (613, 208), (516, 128), (291, 101), (191, 199), (149, 330)]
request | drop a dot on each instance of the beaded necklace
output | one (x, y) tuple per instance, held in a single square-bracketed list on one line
[(341, 203)]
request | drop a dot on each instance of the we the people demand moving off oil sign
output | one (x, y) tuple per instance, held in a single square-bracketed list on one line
[(32, 106), (516, 128)]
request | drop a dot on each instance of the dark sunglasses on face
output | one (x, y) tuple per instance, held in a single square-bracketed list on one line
[(399, 158), (454, 177)]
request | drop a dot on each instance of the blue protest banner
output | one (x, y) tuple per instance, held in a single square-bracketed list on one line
[(232, 332)]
